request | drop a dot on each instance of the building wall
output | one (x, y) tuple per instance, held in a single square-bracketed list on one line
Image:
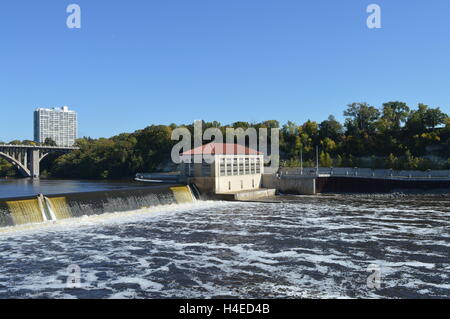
[(227, 173), (206, 185), (195, 169), (235, 173), (228, 184), (59, 124)]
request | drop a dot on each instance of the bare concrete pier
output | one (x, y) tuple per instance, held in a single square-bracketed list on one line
[(247, 195), (298, 185)]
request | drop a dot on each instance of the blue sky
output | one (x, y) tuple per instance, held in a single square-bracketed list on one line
[(140, 62)]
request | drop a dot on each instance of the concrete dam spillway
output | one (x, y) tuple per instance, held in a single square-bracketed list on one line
[(40, 209)]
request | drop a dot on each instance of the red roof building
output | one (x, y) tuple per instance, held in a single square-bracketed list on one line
[(223, 167), (222, 149)]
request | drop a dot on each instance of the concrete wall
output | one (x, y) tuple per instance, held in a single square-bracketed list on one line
[(220, 185), (206, 185), (37, 209), (250, 195), (303, 185), (255, 194), (295, 185), (337, 184), (226, 184)]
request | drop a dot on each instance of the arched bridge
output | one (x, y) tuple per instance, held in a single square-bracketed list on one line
[(26, 158)]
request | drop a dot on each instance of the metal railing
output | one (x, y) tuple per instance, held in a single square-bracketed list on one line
[(43, 147), (365, 173)]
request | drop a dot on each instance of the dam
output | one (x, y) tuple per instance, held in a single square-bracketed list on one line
[(305, 247), (161, 242), (43, 208), (53, 206)]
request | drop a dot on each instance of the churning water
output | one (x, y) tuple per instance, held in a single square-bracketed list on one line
[(310, 247)]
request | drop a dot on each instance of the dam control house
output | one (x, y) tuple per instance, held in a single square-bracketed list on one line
[(225, 168)]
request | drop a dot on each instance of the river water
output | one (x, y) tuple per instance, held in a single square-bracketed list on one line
[(18, 187), (305, 247)]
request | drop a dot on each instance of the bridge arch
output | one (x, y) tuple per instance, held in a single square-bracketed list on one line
[(17, 164), (43, 156), (26, 158)]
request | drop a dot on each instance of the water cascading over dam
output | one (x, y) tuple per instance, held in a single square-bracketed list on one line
[(38, 209)]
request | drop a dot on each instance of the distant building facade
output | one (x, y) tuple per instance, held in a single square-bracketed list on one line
[(59, 124), (230, 168)]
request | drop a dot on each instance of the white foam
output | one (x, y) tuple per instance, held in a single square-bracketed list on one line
[(212, 249)]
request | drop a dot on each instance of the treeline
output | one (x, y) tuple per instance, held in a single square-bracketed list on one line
[(393, 136)]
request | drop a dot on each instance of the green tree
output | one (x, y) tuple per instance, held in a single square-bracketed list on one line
[(434, 117), (331, 128), (328, 145), (394, 114), (154, 145), (411, 162), (270, 124), (392, 162), (447, 164), (6, 169), (361, 117), (425, 118), (325, 159), (49, 142), (339, 161)]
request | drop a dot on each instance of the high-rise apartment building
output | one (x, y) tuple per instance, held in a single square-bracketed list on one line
[(59, 124)]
